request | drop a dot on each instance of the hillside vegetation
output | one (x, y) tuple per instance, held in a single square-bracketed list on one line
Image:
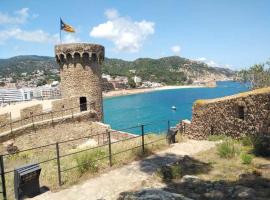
[(168, 70), (257, 76)]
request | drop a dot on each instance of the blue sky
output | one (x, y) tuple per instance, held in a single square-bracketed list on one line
[(228, 33)]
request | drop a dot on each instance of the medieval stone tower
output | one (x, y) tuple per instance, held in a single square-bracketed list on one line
[(80, 74)]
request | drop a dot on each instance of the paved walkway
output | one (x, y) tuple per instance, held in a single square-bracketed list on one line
[(109, 185)]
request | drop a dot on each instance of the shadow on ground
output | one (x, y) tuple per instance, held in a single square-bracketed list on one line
[(181, 182)]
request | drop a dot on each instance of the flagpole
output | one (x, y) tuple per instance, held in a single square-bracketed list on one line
[(60, 31), (60, 36)]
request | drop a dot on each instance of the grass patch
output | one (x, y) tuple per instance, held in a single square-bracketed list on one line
[(88, 161), (168, 173), (217, 137), (246, 158), (246, 141), (228, 149)]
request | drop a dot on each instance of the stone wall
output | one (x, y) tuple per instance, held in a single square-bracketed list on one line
[(66, 106), (242, 114), (27, 113), (4, 119)]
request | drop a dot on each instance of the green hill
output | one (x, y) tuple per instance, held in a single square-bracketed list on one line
[(169, 70)]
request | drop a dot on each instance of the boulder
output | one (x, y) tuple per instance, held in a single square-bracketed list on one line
[(151, 194), (242, 192)]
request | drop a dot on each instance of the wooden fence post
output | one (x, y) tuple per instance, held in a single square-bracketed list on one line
[(3, 179), (33, 124), (142, 130), (110, 146), (52, 117), (58, 164), (168, 125), (10, 122)]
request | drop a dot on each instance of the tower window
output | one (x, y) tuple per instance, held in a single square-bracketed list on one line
[(241, 112), (83, 104)]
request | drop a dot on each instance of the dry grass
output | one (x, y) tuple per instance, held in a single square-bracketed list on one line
[(229, 169)]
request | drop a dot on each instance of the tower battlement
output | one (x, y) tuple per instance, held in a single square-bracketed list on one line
[(75, 52)]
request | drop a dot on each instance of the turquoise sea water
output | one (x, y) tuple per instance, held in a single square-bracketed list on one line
[(127, 111)]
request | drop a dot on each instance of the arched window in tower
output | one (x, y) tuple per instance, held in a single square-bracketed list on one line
[(101, 58), (62, 58), (85, 57), (69, 58), (94, 57), (77, 57), (57, 59)]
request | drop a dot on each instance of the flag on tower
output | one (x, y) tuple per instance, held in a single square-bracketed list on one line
[(66, 27)]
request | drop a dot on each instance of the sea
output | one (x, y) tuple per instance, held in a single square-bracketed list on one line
[(154, 109)]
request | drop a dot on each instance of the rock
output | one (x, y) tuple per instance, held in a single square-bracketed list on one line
[(151, 194), (88, 144), (214, 194), (243, 192), (190, 178), (11, 149)]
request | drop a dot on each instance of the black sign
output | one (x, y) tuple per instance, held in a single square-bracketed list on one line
[(26, 181)]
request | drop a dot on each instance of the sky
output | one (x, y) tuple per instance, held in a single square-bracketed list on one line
[(223, 33)]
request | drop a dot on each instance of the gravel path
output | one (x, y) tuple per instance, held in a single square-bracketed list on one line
[(109, 185)]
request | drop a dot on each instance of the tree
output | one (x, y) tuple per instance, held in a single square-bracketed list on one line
[(257, 76), (41, 82), (131, 83)]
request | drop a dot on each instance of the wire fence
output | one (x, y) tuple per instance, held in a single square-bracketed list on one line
[(59, 163)]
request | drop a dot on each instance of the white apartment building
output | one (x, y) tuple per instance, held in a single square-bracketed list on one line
[(14, 95), (47, 92)]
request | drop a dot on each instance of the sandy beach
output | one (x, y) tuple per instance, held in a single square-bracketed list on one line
[(144, 90)]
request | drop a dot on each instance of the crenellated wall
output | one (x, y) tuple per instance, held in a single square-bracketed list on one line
[(31, 111), (242, 114), (80, 73)]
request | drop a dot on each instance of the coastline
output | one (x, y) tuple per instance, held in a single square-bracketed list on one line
[(126, 92)]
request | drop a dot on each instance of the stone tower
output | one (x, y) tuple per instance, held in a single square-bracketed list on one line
[(80, 74)]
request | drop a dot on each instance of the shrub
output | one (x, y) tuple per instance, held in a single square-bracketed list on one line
[(246, 141), (167, 173), (246, 158), (228, 149), (87, 161), (261, 145)]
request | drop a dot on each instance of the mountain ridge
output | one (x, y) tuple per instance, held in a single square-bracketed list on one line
[(168, 70)]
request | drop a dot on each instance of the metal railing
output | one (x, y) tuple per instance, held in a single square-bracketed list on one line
[(107, 142), (50, 116)]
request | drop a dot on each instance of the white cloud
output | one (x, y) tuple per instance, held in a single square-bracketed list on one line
[(176, 49), (37, 36), (30, 36), (111, 13), (14, 30), (201, 59), (213, 63), (19, 17), (127, 35), (70, 38)]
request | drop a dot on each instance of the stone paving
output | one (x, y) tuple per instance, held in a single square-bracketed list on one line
[(109, 185)]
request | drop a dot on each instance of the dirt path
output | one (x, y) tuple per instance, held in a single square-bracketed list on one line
[(109, 185)]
